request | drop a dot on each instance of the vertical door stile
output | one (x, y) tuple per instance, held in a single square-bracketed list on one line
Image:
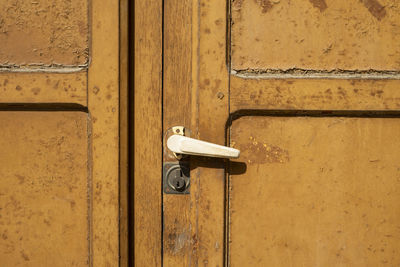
[(177, 110)]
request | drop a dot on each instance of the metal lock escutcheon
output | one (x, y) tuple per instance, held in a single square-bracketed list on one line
[(176, 177)]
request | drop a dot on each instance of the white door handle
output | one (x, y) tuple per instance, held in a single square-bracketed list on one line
[(180, 144)]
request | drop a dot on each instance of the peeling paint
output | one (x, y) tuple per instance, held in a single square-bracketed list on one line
[(265, 5), (258, 152), (317, 74), (320, 4), (317, 35), (375, 8), (46, 31)]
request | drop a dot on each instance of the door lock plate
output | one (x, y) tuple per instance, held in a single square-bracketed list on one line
[(176, 177)]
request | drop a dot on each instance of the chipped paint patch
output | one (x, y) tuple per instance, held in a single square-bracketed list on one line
[(259, 152), (45, 32), (348, 35), (265, 5), (177, 242), (320, 4), (375, 8), (237, 4)]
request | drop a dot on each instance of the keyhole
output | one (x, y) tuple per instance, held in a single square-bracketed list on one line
[(177, 179)]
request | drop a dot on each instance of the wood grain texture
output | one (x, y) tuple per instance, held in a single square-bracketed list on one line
[(317, 192), (208, 179), (314, 94), (315, 34), (46, 32), (44, 189), (196, 96), (177, 111), (124, 102), (103, 107), (147, 133), (44, 87)]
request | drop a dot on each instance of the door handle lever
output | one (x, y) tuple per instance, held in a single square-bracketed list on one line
[(180, 144)]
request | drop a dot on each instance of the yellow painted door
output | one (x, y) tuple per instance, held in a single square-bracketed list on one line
[(59, 133), (309, 92)]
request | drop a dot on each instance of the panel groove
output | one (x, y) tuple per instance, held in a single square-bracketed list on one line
[(312, 113), (42, 68), (42, 107), (297, 73)]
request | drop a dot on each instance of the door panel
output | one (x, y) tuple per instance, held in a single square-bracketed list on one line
[(317, 192), (44, 32), (315, 35), (44, 187)]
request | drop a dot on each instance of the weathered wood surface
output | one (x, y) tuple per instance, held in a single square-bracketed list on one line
[(45, 33), (315, 94), (196, 96), (44, 87), (44, 59), (44, 187), (124, 100), (177, 111), (315, 34), (208, 180), (103, 90), (317, 192), (147, 134)]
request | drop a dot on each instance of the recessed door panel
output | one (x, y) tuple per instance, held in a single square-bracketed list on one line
[(44, 185), (317, 192), (315, 35), (42, 33)]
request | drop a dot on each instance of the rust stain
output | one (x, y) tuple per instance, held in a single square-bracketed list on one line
[(320, 4), (266, 5), (375, 8), (258, 152)]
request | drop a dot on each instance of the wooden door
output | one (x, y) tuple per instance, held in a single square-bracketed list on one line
[(309, 92), (59, 183)]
